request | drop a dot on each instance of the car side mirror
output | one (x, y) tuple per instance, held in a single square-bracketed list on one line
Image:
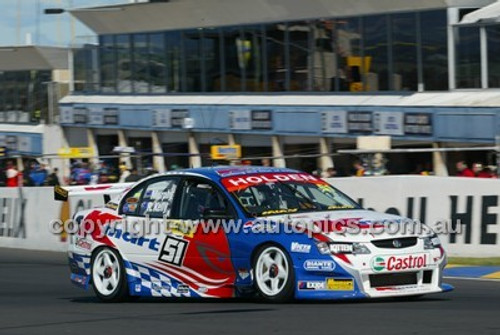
[(214, 214)]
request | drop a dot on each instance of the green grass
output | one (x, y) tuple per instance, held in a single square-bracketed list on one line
[(489, 261)]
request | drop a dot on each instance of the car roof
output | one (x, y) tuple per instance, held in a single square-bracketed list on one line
[(217, 172)]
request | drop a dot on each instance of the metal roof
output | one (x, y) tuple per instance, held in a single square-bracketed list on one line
[(459, 98), (183, 14), (22, 58), (490, 13)]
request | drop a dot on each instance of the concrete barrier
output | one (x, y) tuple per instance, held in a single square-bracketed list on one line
[(468, 203), (25, 214), (472, 204)]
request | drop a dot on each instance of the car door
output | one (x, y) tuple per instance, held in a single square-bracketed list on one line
[(192, 251), (145, 210)]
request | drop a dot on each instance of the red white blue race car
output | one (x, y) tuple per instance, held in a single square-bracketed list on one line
[(237, 231)]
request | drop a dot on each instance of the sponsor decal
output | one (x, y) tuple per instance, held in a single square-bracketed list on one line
[(182, 289), (156, 285), (83, 244), (181, 228), (341, 248), (238, 183), (243, 273), (312, 285), (339, 284), (80, 280), (202, 289), (138, 287), (299, 247), (319, 265), (112, 205), (398, 288), (330, 284), (150, 243), (399, 263)]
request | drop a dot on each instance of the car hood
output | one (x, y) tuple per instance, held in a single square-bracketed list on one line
[(353, 225)]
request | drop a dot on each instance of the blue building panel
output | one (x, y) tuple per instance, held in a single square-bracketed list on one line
[(136, 117), (425, 123), (297, 122), (467, 125), (22, 143), (210, 117)]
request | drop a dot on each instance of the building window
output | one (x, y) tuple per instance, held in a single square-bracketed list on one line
[(323, 57), (404, 52), (233, 60), (252, 58), (193, 60), (468, 57), (107, 57), (300, 51), (24, 96), (493, 33), (211, 51), (157, 63), (434, 39), (140, 68), (344, 66), (124, 63), (375, 49), (175, 61), (277, 70)]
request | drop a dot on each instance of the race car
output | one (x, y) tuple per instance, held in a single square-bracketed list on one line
[(222, 232)]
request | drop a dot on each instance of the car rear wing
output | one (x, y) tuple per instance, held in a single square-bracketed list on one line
[(107, 190)]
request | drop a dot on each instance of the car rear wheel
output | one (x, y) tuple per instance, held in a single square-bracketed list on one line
[(274, 275), (108, 276)]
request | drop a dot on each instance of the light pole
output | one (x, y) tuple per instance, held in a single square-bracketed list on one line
[(71, 80)]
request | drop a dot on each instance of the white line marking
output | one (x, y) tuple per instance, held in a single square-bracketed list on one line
[(478, 279)]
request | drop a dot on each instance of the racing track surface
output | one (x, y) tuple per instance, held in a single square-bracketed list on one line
[(36, 297)]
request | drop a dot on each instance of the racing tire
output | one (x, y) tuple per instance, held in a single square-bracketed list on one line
[(109, 279), (274, 276)]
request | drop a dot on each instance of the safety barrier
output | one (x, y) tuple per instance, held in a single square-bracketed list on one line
[(469, 203), (25, 214)]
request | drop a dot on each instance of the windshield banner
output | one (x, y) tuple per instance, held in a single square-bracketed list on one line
[(241, 182)]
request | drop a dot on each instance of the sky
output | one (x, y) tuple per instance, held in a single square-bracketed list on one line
[(32, 24)]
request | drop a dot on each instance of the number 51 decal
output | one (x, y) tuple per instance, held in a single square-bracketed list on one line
[(173, 250)]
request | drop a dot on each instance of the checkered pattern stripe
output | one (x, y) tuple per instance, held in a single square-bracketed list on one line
[(82, 261), (149, 282)]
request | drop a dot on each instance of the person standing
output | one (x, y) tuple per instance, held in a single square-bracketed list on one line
[(359, 169), (463, 170), (124, 172), (53, 179), (12, 175), (133, 176)]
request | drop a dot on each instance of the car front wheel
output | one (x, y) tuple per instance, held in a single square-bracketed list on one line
[(274, 275)]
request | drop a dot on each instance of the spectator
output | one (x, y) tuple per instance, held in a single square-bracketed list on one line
[(359, 169), (330, 173), (463, 170), (133, 176), (53, 179), (265, 162), (480, 171), (38, 175), (317, 172), (12, 175), (124, 172)]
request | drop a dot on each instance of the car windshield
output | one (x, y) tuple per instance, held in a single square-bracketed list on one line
[(264, 195)]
